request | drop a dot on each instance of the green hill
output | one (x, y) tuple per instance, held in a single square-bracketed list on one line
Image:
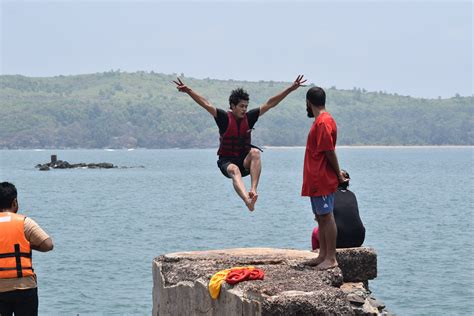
[(122, 110)]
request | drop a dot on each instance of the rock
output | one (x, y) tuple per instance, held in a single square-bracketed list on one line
[(60, 164), (355, 262), (376, 303), (289, 287), (356, 299)]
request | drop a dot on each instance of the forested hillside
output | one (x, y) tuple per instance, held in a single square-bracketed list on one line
[(127, 110)]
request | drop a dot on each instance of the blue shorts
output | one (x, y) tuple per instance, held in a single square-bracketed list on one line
[(323, 204)]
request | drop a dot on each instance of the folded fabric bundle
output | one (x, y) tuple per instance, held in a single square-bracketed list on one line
[(233, 276), (216, 281), (239, 275)]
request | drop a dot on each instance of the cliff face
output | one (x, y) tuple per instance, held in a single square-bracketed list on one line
[(290, 287)]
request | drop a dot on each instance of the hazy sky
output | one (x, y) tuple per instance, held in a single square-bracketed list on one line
[(417, 48)]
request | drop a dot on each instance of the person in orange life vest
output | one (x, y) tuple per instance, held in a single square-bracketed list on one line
[(18, 236), (237, 157), (321, 175)]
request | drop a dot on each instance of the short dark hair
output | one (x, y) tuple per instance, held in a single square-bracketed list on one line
[(238, 95), (344, 185), (316, 96), (8, 193)]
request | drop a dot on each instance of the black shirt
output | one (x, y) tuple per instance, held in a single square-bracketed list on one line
[(350, 230), (223, 121)]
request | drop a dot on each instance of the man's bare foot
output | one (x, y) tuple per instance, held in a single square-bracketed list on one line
[(327, 264), (253, 196), (251, 201), (250, 205), (313, 262), (252, 193)]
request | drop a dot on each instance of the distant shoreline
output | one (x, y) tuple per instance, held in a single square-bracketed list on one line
[(263, 147), (383, 146)]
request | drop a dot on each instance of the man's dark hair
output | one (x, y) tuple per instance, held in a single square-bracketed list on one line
[(316, 96), (237, 95), (7, 195), (344, 185)]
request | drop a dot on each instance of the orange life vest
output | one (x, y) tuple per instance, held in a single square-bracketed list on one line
[(15, 250), (235, 141)]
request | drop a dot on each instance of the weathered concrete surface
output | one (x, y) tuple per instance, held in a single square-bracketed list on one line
[(290, 287)]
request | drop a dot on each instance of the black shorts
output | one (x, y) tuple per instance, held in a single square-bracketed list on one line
[(224, 162)]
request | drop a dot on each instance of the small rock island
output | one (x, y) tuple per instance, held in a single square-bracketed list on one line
[(60, 164)]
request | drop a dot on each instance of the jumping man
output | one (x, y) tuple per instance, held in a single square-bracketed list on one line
[(237, 157)]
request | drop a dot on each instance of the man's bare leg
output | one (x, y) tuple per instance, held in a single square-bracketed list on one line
[(253, 163), (239, 186), (322, 245), (330, 235)]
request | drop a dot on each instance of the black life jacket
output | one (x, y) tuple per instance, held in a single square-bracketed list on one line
[(236, 139)]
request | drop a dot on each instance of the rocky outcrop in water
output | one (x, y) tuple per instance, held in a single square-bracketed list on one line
[(60, 164), (290, 286)]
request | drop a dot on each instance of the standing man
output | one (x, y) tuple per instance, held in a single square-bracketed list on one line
[(321, 175), (18, 236), (237, 156)]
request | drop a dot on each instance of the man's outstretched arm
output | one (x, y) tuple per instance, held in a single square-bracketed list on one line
[(273, 101), (196, 97)]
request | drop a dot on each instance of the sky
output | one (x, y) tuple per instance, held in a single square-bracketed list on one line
[(417, 48)]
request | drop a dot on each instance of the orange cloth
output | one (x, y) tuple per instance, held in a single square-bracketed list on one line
[(239, 275), (219, 277)]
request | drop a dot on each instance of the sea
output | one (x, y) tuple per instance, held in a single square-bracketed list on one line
[(109, 224)]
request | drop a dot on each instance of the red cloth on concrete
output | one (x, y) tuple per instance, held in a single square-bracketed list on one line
[(238, 275)]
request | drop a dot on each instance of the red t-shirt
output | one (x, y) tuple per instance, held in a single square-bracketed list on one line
[(319, 178)]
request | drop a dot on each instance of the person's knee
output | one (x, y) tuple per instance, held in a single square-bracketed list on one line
[(324, 218), (254, 154), (233, 171)]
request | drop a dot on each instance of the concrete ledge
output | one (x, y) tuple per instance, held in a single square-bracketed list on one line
[(289, 287)]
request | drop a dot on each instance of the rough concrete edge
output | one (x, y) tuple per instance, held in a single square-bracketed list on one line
[(201, 303)]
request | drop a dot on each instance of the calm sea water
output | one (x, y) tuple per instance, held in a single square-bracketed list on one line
[(108, 225)]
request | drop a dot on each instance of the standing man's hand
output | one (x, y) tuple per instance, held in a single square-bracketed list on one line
[(342, 177), (181, 86), (298, 83)]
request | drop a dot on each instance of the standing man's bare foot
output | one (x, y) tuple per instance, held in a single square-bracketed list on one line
[(314, 262), (327, 264)]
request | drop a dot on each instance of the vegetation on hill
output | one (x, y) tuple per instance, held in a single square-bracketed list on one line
[(126, 110)]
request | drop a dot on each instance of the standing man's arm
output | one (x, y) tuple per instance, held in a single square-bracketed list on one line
[(196, 97), (273, 101), (332, 158)]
